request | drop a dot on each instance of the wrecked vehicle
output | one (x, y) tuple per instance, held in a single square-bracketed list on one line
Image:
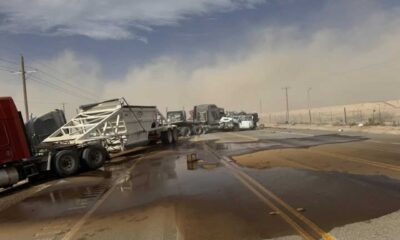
[(39, 128), (84, 142), (239, 121), (208, 116), (203, 118), (186, 128), (229, 123)]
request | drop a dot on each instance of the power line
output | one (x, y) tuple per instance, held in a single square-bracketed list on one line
[(57, 72), (51, 68), (75, 87), (48, 67), (58, 88), (53, 77), (44, 102), (8, 61), (6, 69)]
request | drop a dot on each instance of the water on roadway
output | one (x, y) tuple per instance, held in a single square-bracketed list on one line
[(156, 195)]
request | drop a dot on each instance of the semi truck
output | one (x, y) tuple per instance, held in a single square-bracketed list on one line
[(84, 142), (204, 118), (39, 128), (186, 128)]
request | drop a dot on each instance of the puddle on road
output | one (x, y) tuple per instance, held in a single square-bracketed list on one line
[(315, 159), (201, 164), (332, 199), (240, 148), (206, 204)]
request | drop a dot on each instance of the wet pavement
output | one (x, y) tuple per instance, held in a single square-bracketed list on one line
[(262, 184)]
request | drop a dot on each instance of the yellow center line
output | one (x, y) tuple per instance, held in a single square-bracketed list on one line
[(312, 225), (247, 181), (356, 159), (243, 136), (383, 142), (295, 133), (283, 215)]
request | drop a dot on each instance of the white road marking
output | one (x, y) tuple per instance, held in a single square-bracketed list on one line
[(71, 233)]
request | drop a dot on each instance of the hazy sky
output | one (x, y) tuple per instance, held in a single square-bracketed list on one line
[(177, 53)]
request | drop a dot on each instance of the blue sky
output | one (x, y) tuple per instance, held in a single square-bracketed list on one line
[(205, 33), (124, 47)]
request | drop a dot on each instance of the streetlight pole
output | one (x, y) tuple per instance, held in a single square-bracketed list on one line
[(309, 104)]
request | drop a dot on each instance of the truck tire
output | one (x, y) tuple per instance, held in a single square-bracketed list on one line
[(236, 127), (94, 157), (185, 131), (66, 163), (175, 135), (198, 130), (166, 137)]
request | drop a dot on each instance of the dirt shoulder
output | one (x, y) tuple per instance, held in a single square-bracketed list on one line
[(365, 129)]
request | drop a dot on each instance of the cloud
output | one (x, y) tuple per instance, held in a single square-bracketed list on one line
[(69, 79), (350, 64), (342, 65), (104, 19)]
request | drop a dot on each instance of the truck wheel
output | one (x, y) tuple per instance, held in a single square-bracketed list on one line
[(236, 127), (185, 132), (198, 130), (94, 157), (175, 135), (66, 163), (166, 137)]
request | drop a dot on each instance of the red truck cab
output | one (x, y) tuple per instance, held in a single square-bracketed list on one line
[(13, 143)]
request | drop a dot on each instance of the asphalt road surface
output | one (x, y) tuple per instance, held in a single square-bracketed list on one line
[(262, 184)]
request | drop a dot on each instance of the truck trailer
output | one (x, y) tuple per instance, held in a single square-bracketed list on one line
[(85, 142)]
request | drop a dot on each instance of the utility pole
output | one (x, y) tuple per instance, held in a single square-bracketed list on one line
[(23, 73), (380, 117), (287, 103), (309, 104)]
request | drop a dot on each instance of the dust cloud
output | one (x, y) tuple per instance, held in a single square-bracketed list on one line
[(353, 62)]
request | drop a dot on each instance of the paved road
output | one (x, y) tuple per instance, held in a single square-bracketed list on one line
[(264, 184)]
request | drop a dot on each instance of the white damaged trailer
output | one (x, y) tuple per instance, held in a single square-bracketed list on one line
[(117, 125), (107, 127)]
